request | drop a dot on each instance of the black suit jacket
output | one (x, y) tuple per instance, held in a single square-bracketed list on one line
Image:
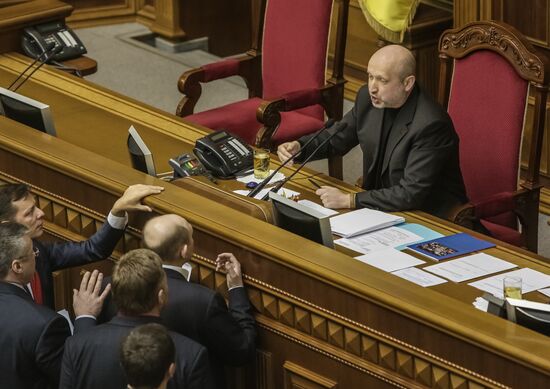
[(32, 337), (421, 167), (56, 256), (91, 358), (202, 315)]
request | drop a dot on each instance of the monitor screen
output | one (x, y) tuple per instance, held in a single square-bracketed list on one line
[(301, 220), (530, 314), (141, 157), (26, 111)]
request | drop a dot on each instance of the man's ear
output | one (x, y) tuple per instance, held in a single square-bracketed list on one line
[(16, 266), (171, 370), (409, 82), (162, 297), (183, 251)]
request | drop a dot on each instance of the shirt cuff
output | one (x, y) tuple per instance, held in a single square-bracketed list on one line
[(83, 316), (117, 222), (236, 287)]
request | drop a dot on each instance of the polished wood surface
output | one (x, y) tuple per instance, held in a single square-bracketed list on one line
[(324, 318)]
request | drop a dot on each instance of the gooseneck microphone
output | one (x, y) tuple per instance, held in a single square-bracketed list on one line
[(339, 127), (266, 180), (48, 54), (49, 47)]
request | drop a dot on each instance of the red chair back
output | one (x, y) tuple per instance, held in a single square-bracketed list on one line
[(487, 93), (294, 48)]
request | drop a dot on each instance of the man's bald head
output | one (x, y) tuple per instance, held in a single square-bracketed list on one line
[(391, 76), (397, 58), (166, 235)]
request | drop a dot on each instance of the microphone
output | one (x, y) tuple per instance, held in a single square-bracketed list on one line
[(48, 48), (53, 52), (266, 180), (339, 127)]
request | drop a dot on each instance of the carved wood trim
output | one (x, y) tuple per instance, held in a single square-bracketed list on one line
[(296, 376), (458, 43), (344, 340)]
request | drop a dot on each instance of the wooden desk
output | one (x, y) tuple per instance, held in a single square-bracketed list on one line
[(325, 320)]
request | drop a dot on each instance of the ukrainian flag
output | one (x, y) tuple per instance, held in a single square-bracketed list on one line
[(389, 18)]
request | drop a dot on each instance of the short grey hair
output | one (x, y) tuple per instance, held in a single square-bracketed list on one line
[(11, 245)]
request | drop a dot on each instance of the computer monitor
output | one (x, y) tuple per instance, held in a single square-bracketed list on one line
[(301, 220), (530, 314), (141, 157), (26, 111)]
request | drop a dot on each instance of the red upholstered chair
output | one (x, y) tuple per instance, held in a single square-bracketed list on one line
[(285, 74), (487, 71)]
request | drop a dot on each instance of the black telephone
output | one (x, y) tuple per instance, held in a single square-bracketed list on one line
[(36, 39), (223, 154)]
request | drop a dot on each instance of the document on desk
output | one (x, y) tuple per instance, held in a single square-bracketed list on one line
[(379, 240), (318, 208), (419, 277), (260, 195), (530, 280), (472, 266), (362, 221), (250, 178), (389, 259)]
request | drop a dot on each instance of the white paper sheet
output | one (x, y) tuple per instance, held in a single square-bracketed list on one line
[(379, 240), (530, 280), (250, 178), (419, 277), (389, 259), (283, 192), (362, 221), (472, 266), (481, 304), (317, 207), (545, 291)]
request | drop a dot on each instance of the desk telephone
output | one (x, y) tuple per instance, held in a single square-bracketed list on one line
[(36, 39), (224, 154)]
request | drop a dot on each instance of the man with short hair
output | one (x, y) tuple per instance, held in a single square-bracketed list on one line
[(409, 145), (17, 204), (195, 310), (32, 336), (147, 356), (92, 358)]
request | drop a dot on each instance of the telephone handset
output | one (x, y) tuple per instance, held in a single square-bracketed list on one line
[(223, 154), (36, 39)]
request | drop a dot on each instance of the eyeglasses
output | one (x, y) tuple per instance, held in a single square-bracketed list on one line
[(35, 252)]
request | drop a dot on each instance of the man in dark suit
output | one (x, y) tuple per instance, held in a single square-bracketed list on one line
[(147, 355), (92, 358), (32, 336), (17, 204), (195, 310), (409, 145)]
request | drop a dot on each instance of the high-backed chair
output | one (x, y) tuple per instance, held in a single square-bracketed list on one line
[(487, 71), (285, 74)]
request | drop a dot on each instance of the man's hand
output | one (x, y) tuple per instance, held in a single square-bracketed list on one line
[(227, 263), (132, 197), (286, 150), (87, 300), (333, 198)]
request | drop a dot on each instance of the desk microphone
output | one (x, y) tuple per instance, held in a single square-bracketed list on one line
[(48, 54), (339, 127), (46, 50), (266, 180)]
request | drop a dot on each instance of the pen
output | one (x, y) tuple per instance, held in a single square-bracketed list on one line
[(314, 183)]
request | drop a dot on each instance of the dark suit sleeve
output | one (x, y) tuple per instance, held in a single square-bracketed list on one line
[(99, 246), (67, 379), (341, 143), (49, 349), (427, 158), (230, 334), (200, 375)]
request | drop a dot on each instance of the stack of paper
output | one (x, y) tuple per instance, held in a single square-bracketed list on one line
[(362, 221), (389, 260), (470, 267), (530, 280), (379, 240)]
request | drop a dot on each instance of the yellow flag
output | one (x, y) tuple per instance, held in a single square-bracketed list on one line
[(389, 18)]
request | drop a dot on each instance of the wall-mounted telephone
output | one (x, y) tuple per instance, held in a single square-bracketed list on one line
[(223, 154), (36, 40)]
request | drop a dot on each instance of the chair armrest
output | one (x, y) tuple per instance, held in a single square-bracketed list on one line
[(189, 81), (498, 204)]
